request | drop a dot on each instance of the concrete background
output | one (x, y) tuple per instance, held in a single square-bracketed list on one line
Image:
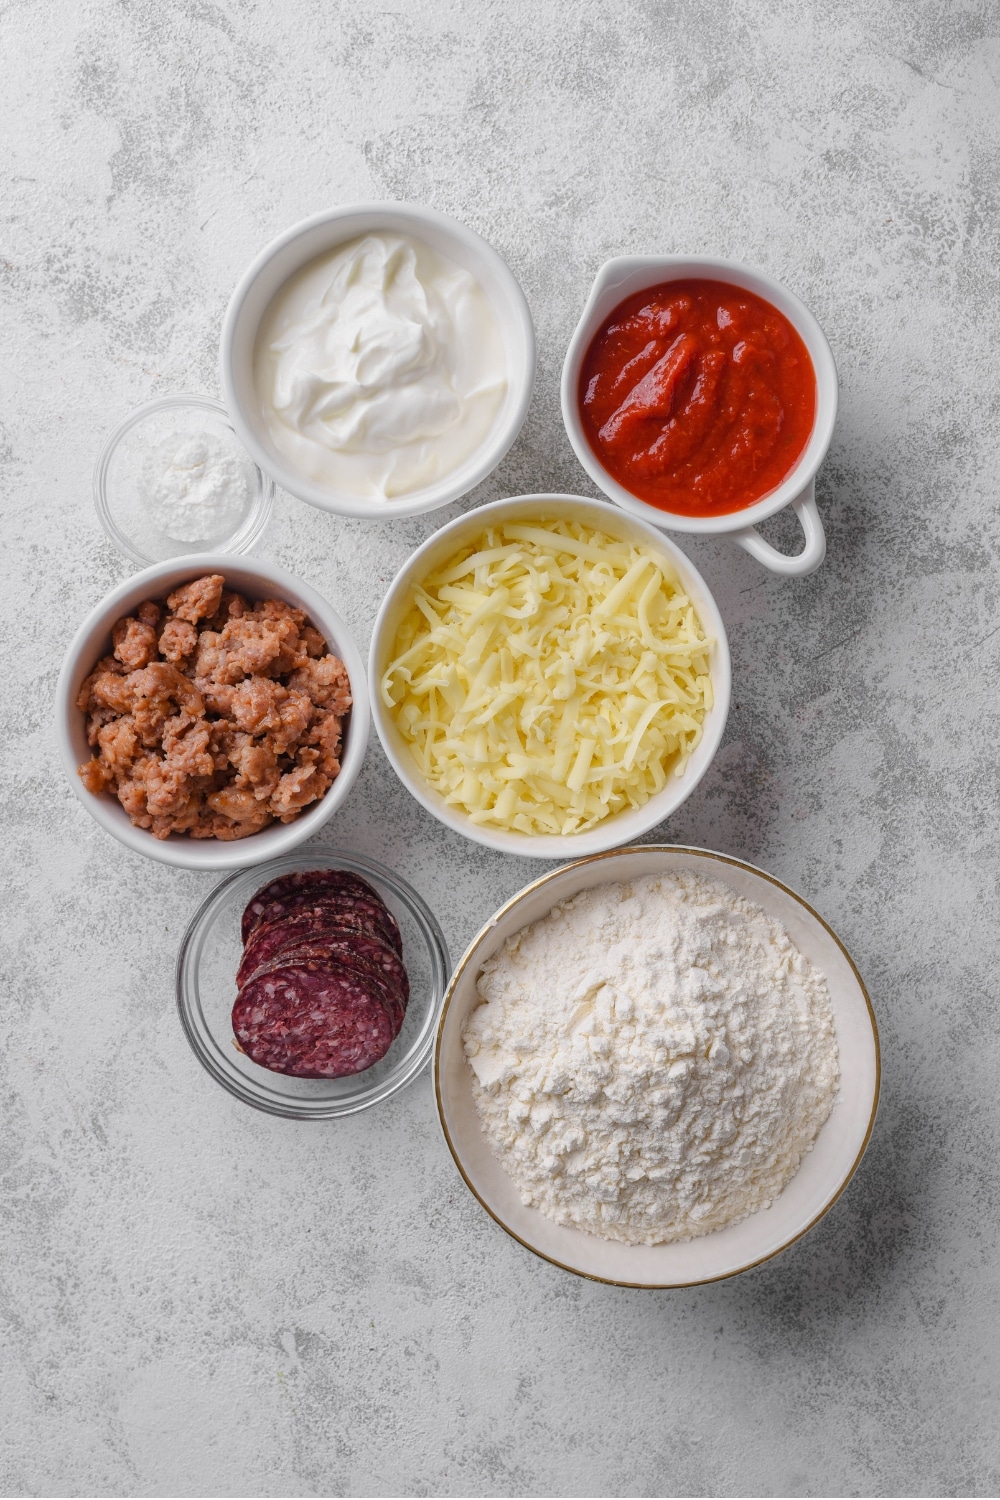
[(201, 1300)]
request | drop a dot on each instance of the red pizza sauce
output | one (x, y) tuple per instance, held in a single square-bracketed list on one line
[(697, 397)]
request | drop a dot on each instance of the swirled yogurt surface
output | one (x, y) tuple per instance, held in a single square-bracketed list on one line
[(379, 367)]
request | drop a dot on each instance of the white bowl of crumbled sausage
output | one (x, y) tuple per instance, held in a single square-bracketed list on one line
[(212, 713)]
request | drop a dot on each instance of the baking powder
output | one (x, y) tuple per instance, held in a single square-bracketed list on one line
[(195, 488)]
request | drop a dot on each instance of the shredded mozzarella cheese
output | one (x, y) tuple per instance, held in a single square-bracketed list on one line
[(548, 676)]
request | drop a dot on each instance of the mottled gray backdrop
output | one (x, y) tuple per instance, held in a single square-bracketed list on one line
[(200, 1300)]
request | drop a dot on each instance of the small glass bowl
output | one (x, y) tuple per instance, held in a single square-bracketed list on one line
[(206, 989), (118, 476)]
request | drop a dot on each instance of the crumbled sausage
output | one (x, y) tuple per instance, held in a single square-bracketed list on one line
[(105, 690), (325, 733), (134, 642), (298, 788), (178, 639), (217, 695), (325, 681), (96, 776), (277, 609), (311, 639), (120, 744), (150, 613), (255, 762), (214, 716), (197, 600), (249, 646), (255, 705), (231, 606)]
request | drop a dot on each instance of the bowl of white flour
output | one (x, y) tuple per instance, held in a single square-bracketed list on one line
[(657, 1067)]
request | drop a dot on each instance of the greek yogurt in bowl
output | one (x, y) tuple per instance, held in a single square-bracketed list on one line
[(379, 367), (378, 360)]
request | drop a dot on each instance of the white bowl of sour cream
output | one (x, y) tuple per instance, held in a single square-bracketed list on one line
[(378, 360)]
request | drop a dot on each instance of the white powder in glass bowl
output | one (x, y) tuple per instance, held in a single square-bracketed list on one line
[(194, 487), (652, 1059)]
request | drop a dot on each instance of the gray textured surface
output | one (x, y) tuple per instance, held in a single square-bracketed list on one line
[(199, 1300)]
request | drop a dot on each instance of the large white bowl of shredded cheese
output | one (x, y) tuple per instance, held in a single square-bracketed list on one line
[(732, 1120), (549, 676)]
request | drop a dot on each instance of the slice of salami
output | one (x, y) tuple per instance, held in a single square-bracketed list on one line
[(311, 1021), (377, 954), (307, 903), (287, 891), (270, 938), (330, 905), (300, 880), (269, 944), (324, 957)]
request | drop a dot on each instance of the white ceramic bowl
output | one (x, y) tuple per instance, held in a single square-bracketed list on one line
[(258, 580), (621, 278), (303, 243), (620, 827), (825, 1170)]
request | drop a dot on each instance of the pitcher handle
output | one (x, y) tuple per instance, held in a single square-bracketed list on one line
[(812, 554)]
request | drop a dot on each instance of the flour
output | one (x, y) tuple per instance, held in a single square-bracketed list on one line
[(195, 488), (653, 1059)]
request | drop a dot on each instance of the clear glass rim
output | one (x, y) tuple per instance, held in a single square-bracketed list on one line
[(241, 541), (260, 1095)]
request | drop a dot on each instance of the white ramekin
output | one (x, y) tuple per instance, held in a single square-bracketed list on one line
[(619, 828), (296, 248), (621, 278), (258, 580)]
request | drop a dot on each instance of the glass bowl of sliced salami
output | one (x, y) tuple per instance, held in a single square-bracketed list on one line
[(311, 987)]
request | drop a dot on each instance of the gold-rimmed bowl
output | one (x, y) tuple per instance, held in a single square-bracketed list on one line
[(825, 1170)]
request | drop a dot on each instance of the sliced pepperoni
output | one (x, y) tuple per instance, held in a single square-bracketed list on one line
[(268, 945), (271, 937), (286, 893), (322, 987), (315, 900), (339, 907), (310, 1020), (323, 955)]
